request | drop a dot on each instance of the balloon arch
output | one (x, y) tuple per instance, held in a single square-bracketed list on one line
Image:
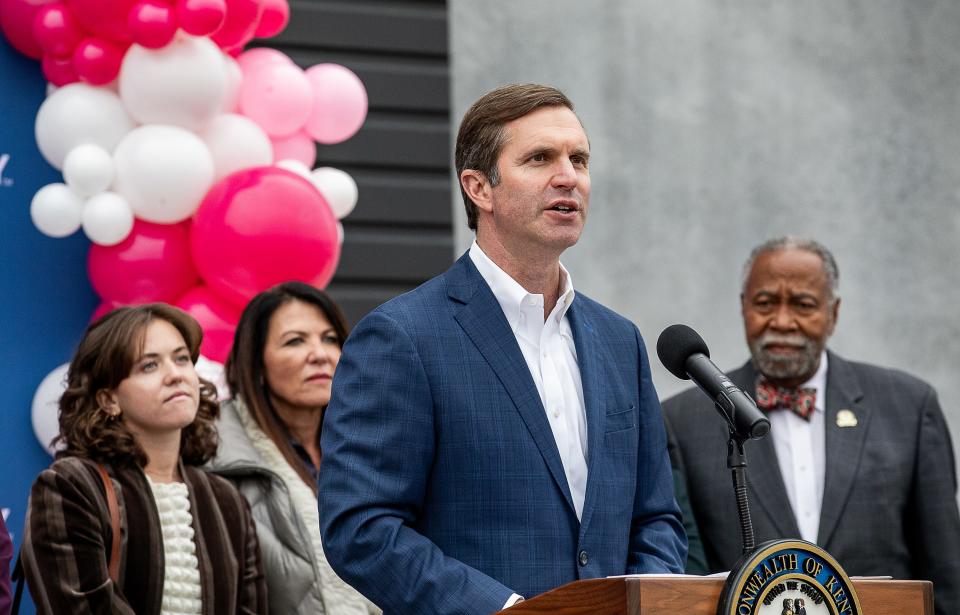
[(186, 160)]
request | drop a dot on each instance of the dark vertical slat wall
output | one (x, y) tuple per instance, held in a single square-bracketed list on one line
[(401, 232)]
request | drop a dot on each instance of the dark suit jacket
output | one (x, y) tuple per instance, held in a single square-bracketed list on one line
[(67, 539), (889, 501), (441, 487)]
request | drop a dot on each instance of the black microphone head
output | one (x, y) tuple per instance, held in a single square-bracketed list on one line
[(675, 345)]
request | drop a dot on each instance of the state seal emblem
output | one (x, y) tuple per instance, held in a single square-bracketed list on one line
[(788, 577)]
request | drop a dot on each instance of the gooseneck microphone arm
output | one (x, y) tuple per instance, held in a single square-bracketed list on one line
[(684, 353)]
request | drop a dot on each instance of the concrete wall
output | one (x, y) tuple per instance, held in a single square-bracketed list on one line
[(715, 125)]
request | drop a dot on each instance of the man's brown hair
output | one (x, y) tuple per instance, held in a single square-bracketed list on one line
[(481, 136), (104, 358)]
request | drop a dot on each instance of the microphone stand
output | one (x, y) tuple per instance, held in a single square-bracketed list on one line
[(737, 462)]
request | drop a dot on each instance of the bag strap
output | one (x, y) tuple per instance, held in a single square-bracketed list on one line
[(17, 577), (114, 562)]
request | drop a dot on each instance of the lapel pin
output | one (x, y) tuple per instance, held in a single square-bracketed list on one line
[(846, 418)]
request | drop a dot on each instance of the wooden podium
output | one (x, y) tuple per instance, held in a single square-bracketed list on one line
[(700, 595)]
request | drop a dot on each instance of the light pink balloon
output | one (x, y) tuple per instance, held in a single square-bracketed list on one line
[(201, 17), (299, 146), (217, 317), (239, 25), (275, 17), (97, 61), (105, 18), (152, 264), (55, 29), (241, 246), (16, 22), (59, 71), (339, 106), (278, 97), (152, 23), (252, 59)]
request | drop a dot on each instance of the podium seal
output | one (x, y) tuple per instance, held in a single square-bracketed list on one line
[(788, 577)]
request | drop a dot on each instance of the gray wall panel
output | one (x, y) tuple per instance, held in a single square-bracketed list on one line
[(715, 125)]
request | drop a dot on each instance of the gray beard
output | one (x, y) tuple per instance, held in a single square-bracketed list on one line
[(802, 365)]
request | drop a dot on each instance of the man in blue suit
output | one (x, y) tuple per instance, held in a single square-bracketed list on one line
[(493, 435)]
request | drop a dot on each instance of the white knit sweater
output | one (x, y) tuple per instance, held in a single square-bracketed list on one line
[(181, 574)]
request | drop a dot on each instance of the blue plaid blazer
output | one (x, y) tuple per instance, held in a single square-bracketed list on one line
[(441, 487)]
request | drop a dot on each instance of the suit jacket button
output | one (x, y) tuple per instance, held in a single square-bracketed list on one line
[(584, 558)]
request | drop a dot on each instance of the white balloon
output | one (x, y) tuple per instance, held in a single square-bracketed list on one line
[(338, 188), (295, 166), (231, 98), (163, 172), (183, 84), (107, 219), (340, 233), (88, 169), (79, 113), (44, 411), (56, 210), (236, 142)]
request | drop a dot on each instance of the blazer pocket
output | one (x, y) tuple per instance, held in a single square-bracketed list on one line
[(621, 420)]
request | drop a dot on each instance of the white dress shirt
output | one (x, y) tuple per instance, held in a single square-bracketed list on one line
[(801, 453), (548, 348)]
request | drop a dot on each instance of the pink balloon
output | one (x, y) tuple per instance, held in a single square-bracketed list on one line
[(242, 243), (103, 309), (340, 103), (201, 17), (217, 317), (259, 56), (97, 61), (16, 22), (152, 264), (239, 25), (59, 71), (298, 146), (152, 24), (105, 18), (275, 17), (55, 29), (278, 97)]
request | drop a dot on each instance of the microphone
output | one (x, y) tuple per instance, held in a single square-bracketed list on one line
[(684, 353)]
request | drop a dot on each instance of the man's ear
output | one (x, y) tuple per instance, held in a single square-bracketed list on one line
[(107, 400), (478, 188), (835, 314)]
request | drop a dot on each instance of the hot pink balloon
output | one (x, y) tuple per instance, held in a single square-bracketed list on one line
[(97, 61), (58, 71), (275, 17), (201, 17), (298, 146), (55, 29), (262, 226), (152, 23), (105, 18), (152, 264), (103, 309), (16, 22), (217, 317), (339, 106), (239, 25), (252, 59), (278, 97)]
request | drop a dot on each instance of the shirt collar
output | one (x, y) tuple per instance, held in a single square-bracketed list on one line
[(819, 382), (510, 295)]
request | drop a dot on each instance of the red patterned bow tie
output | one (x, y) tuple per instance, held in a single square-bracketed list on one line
[(799, 401)]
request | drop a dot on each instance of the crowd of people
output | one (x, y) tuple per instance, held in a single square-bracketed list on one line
[(489, 436)]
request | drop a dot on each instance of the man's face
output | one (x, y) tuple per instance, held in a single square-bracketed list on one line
[(788, 314), (542, 199)]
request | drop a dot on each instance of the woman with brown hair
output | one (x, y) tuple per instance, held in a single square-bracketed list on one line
[(280, 369), (124, 521)]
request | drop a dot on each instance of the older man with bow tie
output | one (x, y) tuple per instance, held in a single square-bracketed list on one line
[(859, 458)]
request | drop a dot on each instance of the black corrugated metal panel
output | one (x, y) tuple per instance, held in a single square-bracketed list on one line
[(401, 232)]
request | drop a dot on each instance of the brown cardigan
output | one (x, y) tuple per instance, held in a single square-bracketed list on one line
[(67, 537)]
